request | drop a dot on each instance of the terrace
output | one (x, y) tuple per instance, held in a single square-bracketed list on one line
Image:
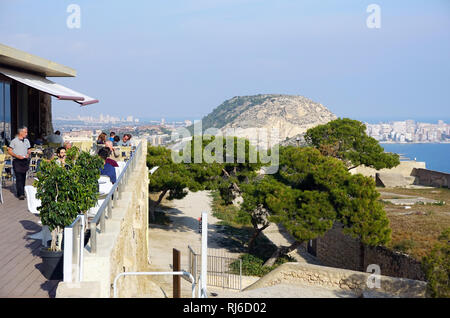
[(20, 274), (20, 262)]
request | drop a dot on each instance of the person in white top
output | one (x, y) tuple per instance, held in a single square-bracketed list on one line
[(20, 150)]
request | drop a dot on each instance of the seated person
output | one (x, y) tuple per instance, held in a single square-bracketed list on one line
[(39, 140), (48, 154), (125, 141), (116, 141), (61, 154), (67, 145), (56, 138), (110, 160), (108, 169), (101, 139), (114, 151)]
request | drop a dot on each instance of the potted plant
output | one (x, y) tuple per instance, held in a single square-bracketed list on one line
[(64, 191)]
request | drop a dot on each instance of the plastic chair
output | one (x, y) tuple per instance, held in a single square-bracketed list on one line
[(105, 185), (32, 202), (92, 212)]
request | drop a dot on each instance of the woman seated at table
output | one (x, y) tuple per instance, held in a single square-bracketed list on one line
[(101, 138), (108, 169)]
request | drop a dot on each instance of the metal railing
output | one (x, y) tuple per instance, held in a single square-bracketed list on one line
[(223, 271), (73, 247), (182, 273), (106, 209)]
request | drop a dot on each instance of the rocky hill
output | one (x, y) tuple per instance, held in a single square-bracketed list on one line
[(289, 114)]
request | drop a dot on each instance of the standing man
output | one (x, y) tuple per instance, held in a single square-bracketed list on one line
[(20, 150)]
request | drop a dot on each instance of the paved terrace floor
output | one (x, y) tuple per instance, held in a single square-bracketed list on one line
[(19, 256)]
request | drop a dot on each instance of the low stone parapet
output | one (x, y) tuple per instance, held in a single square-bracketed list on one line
[(121, 247), (341, 280)]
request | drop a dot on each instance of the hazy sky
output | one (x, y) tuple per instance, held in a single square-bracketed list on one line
[(182, 58)]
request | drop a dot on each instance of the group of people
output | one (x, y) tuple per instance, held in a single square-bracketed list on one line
[(115, 139), (20, 150)]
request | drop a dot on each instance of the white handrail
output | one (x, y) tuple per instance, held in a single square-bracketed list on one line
[(182, 273)]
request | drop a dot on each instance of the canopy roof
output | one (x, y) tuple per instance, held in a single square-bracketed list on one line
[(44, 85)]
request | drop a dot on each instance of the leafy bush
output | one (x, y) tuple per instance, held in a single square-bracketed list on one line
[(67, 191), (404, 245), (436, 267), (253, 265)]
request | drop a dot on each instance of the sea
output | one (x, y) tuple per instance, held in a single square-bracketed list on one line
[(435, 155)]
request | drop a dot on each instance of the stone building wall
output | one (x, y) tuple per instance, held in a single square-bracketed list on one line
[(337, 249), (431, 178)]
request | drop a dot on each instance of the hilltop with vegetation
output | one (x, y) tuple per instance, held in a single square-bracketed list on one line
[(290, 114)]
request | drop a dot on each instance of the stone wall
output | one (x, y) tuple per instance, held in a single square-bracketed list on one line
[(404, 168), (431, 178), (338, 279), (122, 247), (339, 250)]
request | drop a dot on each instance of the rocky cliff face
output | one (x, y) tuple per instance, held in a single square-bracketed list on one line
[(287, 115)]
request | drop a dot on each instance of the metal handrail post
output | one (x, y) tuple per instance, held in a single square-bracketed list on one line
[(81, 250), (93, 237)]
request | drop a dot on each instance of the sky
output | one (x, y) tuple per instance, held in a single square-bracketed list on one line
[(180, 59)]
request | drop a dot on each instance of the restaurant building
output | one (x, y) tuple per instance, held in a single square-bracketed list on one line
[(25, 93)]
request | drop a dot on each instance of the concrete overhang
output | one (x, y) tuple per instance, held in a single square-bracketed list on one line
[(23, 61)]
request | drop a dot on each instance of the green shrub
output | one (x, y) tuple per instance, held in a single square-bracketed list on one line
[(404, 246), (67, 191), (436, 267), (253, 265)]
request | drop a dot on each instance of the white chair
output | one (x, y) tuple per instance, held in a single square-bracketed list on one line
[(105, 185), (121, 164), (93, 211), (118, 171), (32, 202)]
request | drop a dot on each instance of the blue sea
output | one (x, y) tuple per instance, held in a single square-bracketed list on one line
[(436, 156)]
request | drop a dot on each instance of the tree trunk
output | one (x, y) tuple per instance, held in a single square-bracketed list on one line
[(154, 205), (282, 250), (362, 256), (255, 235), (235, 186)]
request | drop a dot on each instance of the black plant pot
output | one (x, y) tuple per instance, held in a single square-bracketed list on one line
[(52, 264)]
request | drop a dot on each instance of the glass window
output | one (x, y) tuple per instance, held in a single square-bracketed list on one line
[(7, 105), (5, 113), (2, 115)]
